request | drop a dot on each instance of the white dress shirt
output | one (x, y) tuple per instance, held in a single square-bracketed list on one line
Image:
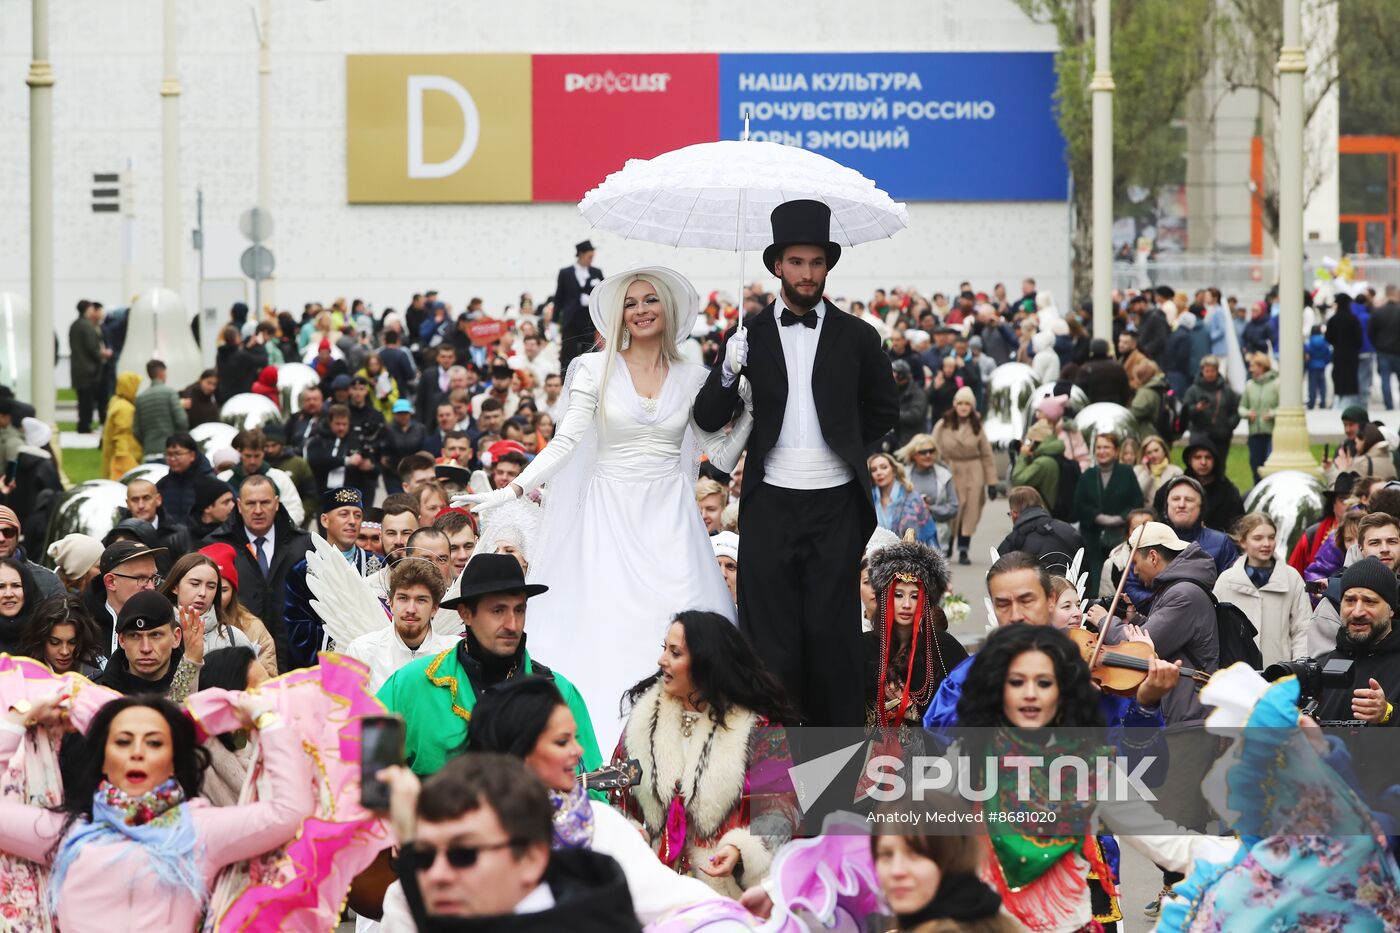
[(385, 652), (801, 458), (269, 543)]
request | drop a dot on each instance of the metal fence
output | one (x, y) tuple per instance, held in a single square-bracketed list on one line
[(1245, 277)]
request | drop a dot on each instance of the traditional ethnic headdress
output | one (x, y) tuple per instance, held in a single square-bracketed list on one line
[(909, 561)]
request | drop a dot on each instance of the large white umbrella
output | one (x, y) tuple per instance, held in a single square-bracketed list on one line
[(720, 196)]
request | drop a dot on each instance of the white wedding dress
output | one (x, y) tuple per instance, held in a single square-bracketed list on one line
[(622, 547)]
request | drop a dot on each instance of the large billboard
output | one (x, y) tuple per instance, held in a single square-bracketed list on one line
[(926, 126)]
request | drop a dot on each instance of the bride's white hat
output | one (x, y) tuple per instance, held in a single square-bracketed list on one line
[(685, 301)]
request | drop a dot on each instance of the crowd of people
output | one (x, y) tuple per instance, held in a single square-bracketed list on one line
[(689, 501)]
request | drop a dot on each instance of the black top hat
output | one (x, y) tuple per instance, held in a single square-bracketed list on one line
[(585, 247), (801, 222), (492, 573)]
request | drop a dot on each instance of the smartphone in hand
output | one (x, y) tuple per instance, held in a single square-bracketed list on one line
[(381, 745)]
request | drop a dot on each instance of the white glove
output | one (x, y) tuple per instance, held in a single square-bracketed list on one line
[(746, 394), (485, 501), (736, 353)]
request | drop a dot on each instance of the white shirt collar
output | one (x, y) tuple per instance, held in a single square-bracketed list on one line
[(779, 306), (538, 900)]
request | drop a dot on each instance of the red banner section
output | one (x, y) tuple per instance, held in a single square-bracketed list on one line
[(485, 332), (594, 112)]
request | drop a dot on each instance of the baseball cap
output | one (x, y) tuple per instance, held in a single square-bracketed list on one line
[(124, 551), (1156, 534)]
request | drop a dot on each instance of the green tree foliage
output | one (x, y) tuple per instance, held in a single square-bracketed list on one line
[(1369, 34), (1160, 54)]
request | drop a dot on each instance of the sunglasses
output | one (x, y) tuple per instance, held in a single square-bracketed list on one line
[(422, 857), (927, 451), (9, 531)]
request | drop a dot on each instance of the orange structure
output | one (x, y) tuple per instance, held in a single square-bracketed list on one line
[(1374, 233)]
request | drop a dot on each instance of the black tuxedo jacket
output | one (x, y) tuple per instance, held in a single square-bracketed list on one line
[(852, 388), (568, 297)]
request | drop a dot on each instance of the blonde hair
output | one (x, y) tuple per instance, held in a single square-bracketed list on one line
[(900, 476), (918, 442), (706, 487), (616, 321), (1129, 452), (1263, 359), (1058, 585), (1249, 522), (1159, 441)]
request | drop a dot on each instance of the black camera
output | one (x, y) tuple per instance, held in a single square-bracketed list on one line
[(1313, 676)]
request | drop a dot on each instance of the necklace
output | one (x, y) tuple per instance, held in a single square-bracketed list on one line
[(648, 404), (688, 721)]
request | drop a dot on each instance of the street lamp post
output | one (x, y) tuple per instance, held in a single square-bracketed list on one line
[(40, 80), (170, 155), (1102, 88), (1291, 448), (264, 289)]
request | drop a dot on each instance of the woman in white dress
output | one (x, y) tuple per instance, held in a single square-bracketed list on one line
[(622, 547)]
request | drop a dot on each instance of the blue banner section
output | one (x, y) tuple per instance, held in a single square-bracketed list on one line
[(926, 126)]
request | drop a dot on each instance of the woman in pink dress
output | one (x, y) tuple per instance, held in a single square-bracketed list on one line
[(132, 848)]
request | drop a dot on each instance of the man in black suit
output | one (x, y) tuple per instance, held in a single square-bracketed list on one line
[(266, 544), (822, 391), (571, 296), (433, 384)]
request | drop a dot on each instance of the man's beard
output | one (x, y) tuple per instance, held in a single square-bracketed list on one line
[(1376, 633), (799, 303)]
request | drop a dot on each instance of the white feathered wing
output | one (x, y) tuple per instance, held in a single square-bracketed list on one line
[(341, 597)]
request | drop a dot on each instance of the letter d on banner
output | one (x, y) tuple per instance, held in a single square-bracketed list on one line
[(418, 85)]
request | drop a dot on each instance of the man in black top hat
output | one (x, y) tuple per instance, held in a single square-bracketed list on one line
[(822, 392), (571, 297), (436, 694)]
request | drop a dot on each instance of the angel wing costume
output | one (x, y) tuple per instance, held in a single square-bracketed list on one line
[(622, 546)]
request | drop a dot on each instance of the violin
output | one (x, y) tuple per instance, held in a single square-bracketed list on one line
[(1120, 669)]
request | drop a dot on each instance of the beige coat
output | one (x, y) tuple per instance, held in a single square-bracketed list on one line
[(969, 454), (1280, 611), (1150, 484), (261, 638)]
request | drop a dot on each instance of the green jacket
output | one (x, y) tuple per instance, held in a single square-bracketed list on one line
[(159, 414), (85, 353), (1092, 499), (300, 472), (1261, 395), (435, 697), (1147, 403), (1042, 471)]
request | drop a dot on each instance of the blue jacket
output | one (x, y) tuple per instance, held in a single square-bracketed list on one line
[(306, 634), (1119, 712), (1319, 352), (1364, 317), (1220, 546)]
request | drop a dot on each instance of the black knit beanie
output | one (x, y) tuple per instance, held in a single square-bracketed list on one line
[(1371, 574)]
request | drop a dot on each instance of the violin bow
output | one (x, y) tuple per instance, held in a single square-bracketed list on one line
[(1113, 606)]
